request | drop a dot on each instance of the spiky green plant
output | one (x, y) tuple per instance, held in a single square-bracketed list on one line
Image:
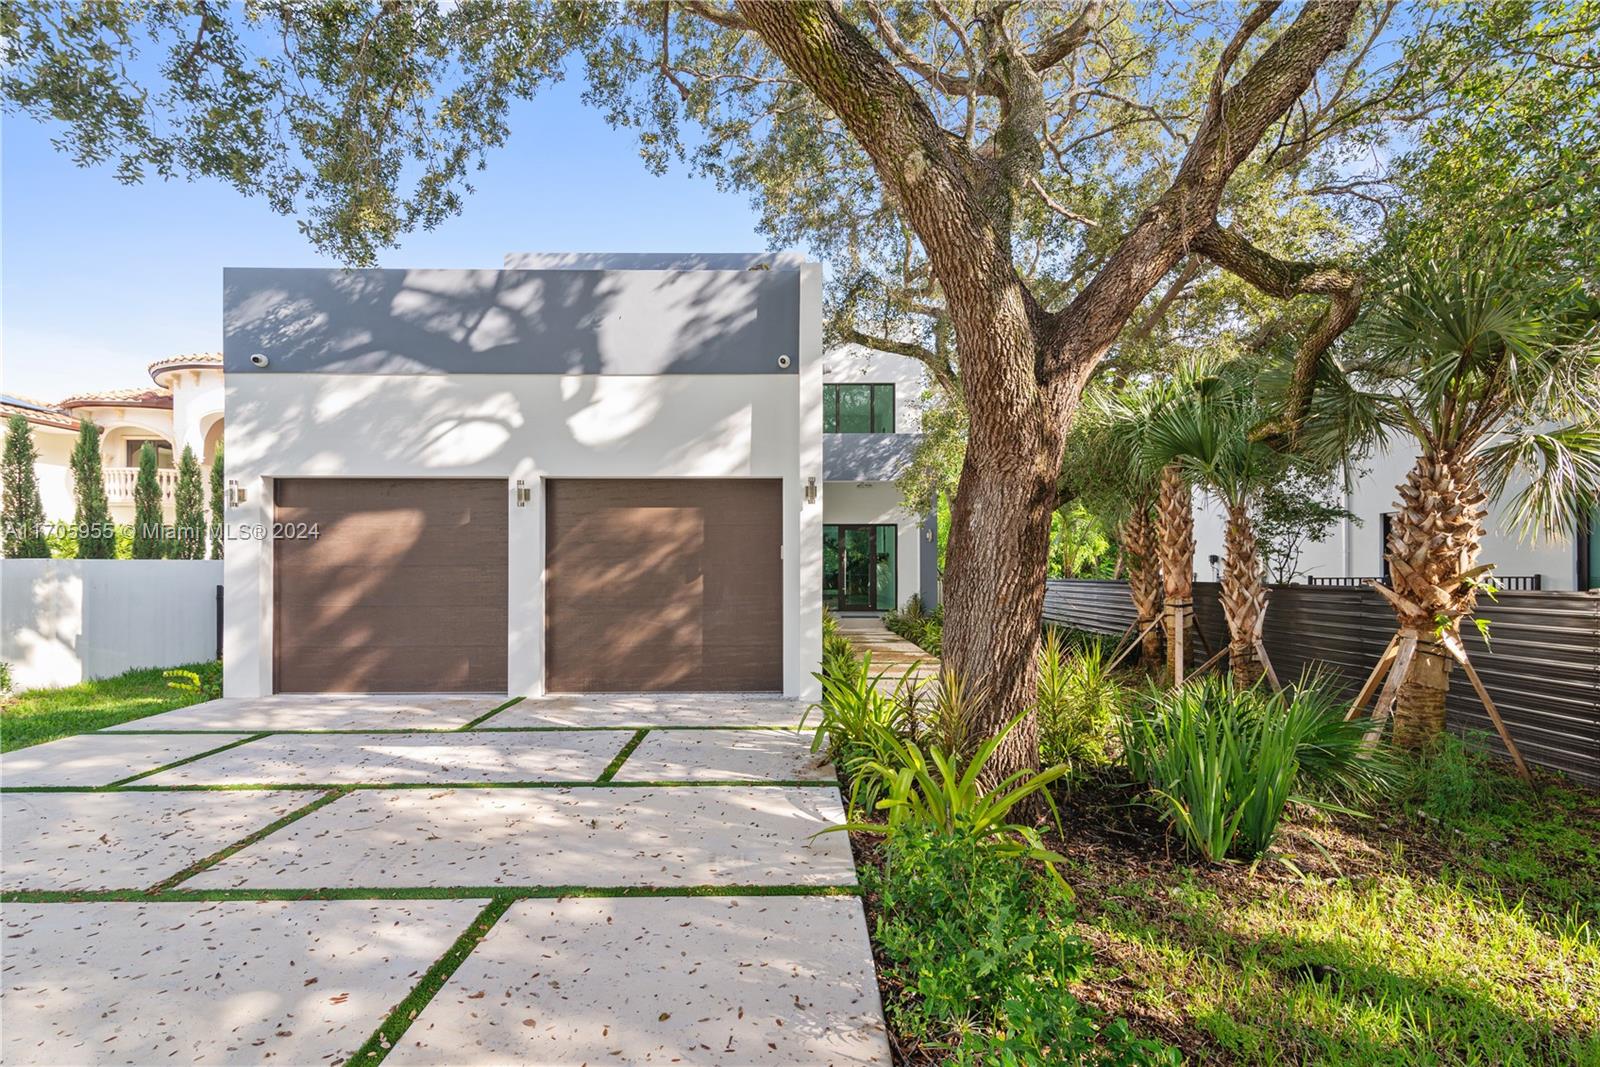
[(1220, 763)]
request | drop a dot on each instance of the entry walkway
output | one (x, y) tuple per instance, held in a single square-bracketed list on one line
[(890, 652), (567, 881)]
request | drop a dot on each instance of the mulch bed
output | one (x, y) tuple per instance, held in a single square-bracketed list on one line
[(1112, 841)]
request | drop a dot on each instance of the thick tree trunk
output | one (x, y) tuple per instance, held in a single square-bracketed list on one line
[(999, 546), (1433, 548), (1175, 524), (1138, 536), (1023, 368), (1244, 596), (1419, 704)]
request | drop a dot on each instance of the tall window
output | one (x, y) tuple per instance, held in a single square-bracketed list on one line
[(858, 409)]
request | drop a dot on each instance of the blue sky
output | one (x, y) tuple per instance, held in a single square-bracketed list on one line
[(99, 278)]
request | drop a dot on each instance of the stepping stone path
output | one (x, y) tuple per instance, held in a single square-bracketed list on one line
[(441, 880), (892, 655)]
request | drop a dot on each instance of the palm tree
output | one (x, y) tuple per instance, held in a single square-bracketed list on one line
[(1208, 436), (1489, 358), (1131, 414), (1103, 467)]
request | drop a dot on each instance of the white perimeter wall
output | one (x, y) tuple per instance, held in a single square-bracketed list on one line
[(1353, 550), (69, 620), (879, 502), (527, 427)]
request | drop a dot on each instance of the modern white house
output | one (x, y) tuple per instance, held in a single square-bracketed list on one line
[(877, 554), (1354, 551), (182, 407), (573, 474)]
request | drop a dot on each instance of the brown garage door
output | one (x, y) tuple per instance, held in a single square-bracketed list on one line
[(663, 585), (402, 590)]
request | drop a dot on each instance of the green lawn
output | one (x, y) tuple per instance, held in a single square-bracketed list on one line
[(38, 715), (1409, 939)]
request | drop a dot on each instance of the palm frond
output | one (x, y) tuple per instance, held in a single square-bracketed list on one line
[(1562, 468)]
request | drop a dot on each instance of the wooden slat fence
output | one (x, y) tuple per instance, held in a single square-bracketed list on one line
[(1541, 663)]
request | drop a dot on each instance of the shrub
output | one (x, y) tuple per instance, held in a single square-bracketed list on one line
[(1222, 763), (982, 954), (939, 792), (1078, 699), (205, 684), (922, 628), (860, 720), (1453, 782), (5, 677)]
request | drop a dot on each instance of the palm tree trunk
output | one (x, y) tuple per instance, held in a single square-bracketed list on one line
[(1138, 538), (1434, 540), (1175, 520), (1244, 596)]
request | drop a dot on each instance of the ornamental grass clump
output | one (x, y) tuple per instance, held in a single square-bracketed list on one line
[(1221, 763)]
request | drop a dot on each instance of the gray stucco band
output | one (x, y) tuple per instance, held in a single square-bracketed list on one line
[(642, 322), (866, 457), (928, 576)]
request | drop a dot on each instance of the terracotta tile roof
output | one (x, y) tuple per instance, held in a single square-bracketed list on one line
[(119, 398), (192, 359), (36, 411)]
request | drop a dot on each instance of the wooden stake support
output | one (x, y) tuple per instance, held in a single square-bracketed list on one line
[(1391, 669), (1122, 654), (1459, 651), (1374, 678)]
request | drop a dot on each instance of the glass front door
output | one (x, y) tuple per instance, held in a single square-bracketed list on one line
[(858, 567)]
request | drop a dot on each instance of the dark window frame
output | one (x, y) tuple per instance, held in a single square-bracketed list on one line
[(875, 391), (1385, 520), (836, 602), (132, 445)]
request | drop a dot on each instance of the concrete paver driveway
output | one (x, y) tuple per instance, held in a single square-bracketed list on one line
[(436, 880)]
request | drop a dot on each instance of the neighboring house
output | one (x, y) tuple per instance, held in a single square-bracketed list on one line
[(182, 408), (1355, 551), (876, 553), (578, 473)]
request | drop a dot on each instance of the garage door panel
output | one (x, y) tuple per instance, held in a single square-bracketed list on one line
[(402, 588), (669, 584)]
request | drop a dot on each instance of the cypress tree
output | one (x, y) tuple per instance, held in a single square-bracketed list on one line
[(190, 505), (97, 536), (216, 504), (149, 535), (23, 512)]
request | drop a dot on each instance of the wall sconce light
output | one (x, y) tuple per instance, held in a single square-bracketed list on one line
[(524, 494), (811, 490), (235, 495), (927, 535)]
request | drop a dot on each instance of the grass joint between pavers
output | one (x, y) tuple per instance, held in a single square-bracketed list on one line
[(622, 757), (187, 759), (320, 787), (389, 1032), (451, 892), (486, 716), (245, 842)]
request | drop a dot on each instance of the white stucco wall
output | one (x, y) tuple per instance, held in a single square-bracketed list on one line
[(197, 402), (54, 469), (879, 502), (68, 620), (1357, 550), (868, 366), (522, 428)]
